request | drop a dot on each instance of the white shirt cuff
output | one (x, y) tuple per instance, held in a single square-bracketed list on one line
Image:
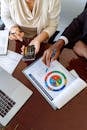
[(65, 39)]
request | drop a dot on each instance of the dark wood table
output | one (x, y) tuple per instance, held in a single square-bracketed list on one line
[(37, 114)]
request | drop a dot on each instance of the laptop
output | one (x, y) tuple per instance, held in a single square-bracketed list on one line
[(13, 94)]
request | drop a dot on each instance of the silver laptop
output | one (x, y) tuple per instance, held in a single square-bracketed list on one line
[(13, 94)]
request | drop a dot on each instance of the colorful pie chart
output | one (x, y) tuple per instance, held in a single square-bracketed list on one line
[(55, 80)]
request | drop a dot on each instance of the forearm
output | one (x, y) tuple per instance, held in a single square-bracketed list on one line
[(43, 36), (75, 28), (53, 17), (59, 44)]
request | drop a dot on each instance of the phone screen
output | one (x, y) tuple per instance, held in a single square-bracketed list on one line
[(29, 53)]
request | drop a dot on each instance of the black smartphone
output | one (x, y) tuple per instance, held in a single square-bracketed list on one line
[(29, 53)]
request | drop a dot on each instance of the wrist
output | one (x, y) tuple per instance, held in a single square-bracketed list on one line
[(65, 39), (42, 37), (34, 42), (37, 40), (60, 43)]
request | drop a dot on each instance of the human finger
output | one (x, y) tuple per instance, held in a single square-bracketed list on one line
[(36, 45), (19, 35), (55, 57), (12, 37), (22, 49), (47, 57)]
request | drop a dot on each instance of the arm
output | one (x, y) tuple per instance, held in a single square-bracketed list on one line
[(15, 33), (5, 14), (53, 12), (70, 33), (75, 28)]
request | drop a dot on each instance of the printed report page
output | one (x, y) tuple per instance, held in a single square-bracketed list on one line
[(51, 80)]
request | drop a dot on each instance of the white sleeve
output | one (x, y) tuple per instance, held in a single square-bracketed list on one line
[(54, 13), (65, 39), (5, 14)]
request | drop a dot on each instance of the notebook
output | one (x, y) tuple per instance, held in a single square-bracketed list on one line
[(13, 94), (3, 41), (56, 83)]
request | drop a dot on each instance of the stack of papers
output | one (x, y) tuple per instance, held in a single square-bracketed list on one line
[(3, 41), (55, 83), (10, 61)]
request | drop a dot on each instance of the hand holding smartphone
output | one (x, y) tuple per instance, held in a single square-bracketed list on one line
[(29, 53)]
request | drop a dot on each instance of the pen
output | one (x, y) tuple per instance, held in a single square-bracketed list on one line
[(53, 54), (46, 69), (15, 32), (12, 32)]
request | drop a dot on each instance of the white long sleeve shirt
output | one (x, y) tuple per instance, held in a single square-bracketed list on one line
[(44, 16)]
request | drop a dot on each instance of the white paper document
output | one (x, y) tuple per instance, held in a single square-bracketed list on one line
[(10, 61), (55, 83), (74, 73), (3, 41)]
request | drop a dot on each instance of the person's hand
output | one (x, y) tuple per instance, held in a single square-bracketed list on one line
[(52, 53), (22, 50), (36, 45), (16, 34)]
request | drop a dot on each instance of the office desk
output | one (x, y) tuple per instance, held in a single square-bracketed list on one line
[(37, 114)]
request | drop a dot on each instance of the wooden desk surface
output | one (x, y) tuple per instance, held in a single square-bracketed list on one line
[(37, 114)]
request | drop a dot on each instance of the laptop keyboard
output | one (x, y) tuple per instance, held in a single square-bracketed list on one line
[(6, 104)]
